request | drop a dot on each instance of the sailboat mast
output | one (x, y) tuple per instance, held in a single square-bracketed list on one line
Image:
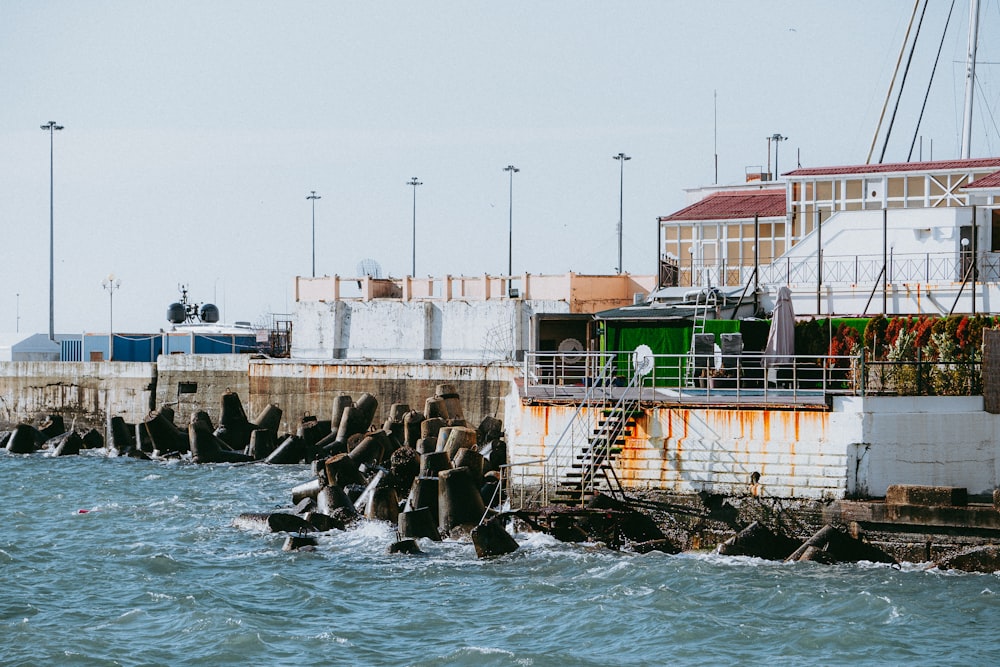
[(970, 77)]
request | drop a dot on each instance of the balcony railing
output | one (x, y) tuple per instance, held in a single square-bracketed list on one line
[(748, 377), (843, 269)]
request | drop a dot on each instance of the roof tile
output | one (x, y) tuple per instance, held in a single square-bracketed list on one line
[(730, 205), (939, 165)]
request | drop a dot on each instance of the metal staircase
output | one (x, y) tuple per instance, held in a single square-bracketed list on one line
[(591, 470)]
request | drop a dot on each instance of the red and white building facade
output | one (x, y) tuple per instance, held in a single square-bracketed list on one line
[(894, 238)]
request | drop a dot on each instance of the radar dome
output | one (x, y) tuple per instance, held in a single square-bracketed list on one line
[(209, 313), (176, 313)]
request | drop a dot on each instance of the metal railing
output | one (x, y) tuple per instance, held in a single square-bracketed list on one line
[(665, 377), (923, 378), (843, 269), (560, 456)]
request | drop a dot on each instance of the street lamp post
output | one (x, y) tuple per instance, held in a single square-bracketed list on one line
[(313, 197), (51, 126), (777, 139), (621, 157), (510, 220), (414, 182), (111, 284)]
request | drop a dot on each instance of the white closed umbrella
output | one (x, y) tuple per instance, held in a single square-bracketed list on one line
[(780, 346)]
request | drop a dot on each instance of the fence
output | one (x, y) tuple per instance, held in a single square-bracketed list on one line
[(799, 377), (844, 269)]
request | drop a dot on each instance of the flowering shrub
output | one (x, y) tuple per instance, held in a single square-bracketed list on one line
[(934, 355)]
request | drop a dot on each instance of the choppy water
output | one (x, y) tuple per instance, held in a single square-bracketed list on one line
[(156, 574)]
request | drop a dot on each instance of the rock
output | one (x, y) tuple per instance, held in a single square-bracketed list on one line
[(407, 547), (985, 559)]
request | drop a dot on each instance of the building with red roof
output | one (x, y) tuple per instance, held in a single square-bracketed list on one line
[(833, 233)]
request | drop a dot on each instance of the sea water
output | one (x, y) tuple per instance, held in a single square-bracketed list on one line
[(114, 561)]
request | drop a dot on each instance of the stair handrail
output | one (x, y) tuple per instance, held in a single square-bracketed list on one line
[(609, 431), (601, 382)]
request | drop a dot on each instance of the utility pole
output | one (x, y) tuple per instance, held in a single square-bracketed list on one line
[(313, 197), (621, 157), (52, 127), (414, 182), (510, 220)]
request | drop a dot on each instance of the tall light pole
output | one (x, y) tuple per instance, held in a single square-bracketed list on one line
[(51, 126), (314, 197), (510, 220), (111, 284), (621, 157), (777, 139), (414, 182)]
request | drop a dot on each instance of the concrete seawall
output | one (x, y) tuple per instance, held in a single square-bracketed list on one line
[(855, 449), (858, 448), (87, 393)]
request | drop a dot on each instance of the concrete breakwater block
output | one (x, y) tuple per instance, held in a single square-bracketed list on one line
[(342, 470), (424, 494), (431, 427), (269, 418), (927, 496), (69, 444), (164, 434), (52, 426), (262, 443), (234, 426), (291, 450), (340, 403), (22, 440), (120, 438), (308, 489), (274, 522), (299, 543), (207, 448), (492, 539), (759, 541), (433, 463), (419, 522), (459, 437), (411, 427), (829, 545), (459, 501), (452, 401), (383, 505), (435, 408), (471, 459)]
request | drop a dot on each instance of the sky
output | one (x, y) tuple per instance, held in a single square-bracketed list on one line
[(194, 131)]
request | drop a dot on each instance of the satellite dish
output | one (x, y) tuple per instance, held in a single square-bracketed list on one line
[(370, 268), (642, 360), (569, 345)]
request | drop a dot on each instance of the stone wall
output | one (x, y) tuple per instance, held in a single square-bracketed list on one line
[(301, 388), (83, 392), (190, 382)]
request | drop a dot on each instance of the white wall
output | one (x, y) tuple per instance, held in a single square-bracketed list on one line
[(387, 329), (860, 447)]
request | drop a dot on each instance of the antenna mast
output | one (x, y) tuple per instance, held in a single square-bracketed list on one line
[(970, 77)]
